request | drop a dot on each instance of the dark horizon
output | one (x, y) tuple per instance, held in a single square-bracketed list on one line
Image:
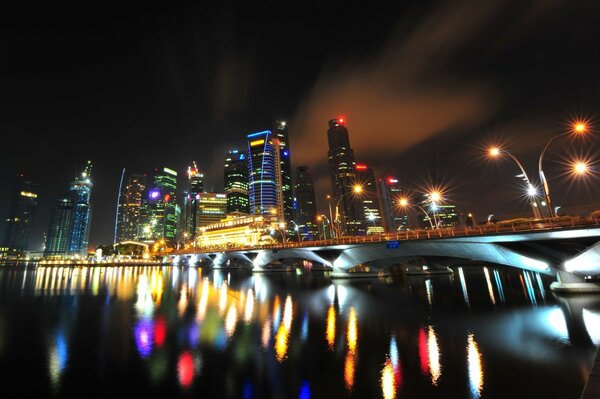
[(424, 88)]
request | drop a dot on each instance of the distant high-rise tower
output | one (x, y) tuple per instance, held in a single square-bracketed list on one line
[(341, 167), (160, 210), (236, 181), (212, 208), (365, 177), (190, 201), (59, 230), (394, 218), (129, 213), (281, 133), (18, 224), (306, 210), (81, 195), (442, 214), (263, 170)]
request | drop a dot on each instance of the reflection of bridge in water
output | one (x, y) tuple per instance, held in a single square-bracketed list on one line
[(568, 249)]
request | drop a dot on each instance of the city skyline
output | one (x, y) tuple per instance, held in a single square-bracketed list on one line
[(421, 138)]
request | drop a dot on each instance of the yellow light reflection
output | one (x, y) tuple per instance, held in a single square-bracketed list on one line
[(489, 285), (203, 303), (249, 306), (474, 364), (223, 298), (287, 313), (183, 301), (231, 320), (281, 343), (349, 370), (433, 351), (330, 332), (388, 386), (266, 333), (352, 334)]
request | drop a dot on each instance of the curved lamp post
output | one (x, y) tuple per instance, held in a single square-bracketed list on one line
[(356, 190), (579, 128), (403, 202), (495, 152)]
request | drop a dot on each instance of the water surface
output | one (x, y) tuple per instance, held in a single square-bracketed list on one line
[(483, 332)]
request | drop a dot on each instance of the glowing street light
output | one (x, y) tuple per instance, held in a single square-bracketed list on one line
[(580, 168), (495, 152)]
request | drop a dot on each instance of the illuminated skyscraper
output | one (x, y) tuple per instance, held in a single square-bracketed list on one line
[(306, 210), (281, 133), (129, 213), (160, 210), (365, 177), (18, 224), (442, 214), (212, 208), (190, 201), (59, 230), (236, 181), (394, 218), (263, 169), (81, 196), (341, 167)]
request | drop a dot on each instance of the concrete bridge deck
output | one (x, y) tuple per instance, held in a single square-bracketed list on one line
[(568, 248)]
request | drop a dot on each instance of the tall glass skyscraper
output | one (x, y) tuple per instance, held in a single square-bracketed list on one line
[(236, 181), (195, 186), (306, 210), (20, 217), (81, 195), (365, 177), (394, 218), (263, 167), (285, 164), (59, 230), (160, 210), (129, 211), (341, 167)]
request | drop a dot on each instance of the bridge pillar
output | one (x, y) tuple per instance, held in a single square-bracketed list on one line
[(570, 283)]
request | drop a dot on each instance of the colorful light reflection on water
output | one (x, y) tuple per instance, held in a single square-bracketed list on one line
[(237, 335)]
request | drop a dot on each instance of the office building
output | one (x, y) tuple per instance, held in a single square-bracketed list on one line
[(394, 218), (129, 211), (160, 209), (349, 213), (263, 174), (285, 166), (306, 206), (365, 178), (236, 181), (20, 217), (441, 214), (59, 229), (81, 197), (195, 186), (212, 208)]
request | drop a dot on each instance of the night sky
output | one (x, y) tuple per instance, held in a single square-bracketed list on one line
[(425, 88)]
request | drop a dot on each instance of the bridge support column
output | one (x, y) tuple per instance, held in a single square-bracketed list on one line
[(570, 283)]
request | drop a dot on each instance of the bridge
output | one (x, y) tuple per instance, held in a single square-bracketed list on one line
[(566, 248)]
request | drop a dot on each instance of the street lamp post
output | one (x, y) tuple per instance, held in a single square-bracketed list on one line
[(495, 152), (320, 218), (403, 202), (579, 128), (297, 229), (357, 190)]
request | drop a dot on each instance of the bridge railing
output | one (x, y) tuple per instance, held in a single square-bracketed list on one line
[(421, 234)]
